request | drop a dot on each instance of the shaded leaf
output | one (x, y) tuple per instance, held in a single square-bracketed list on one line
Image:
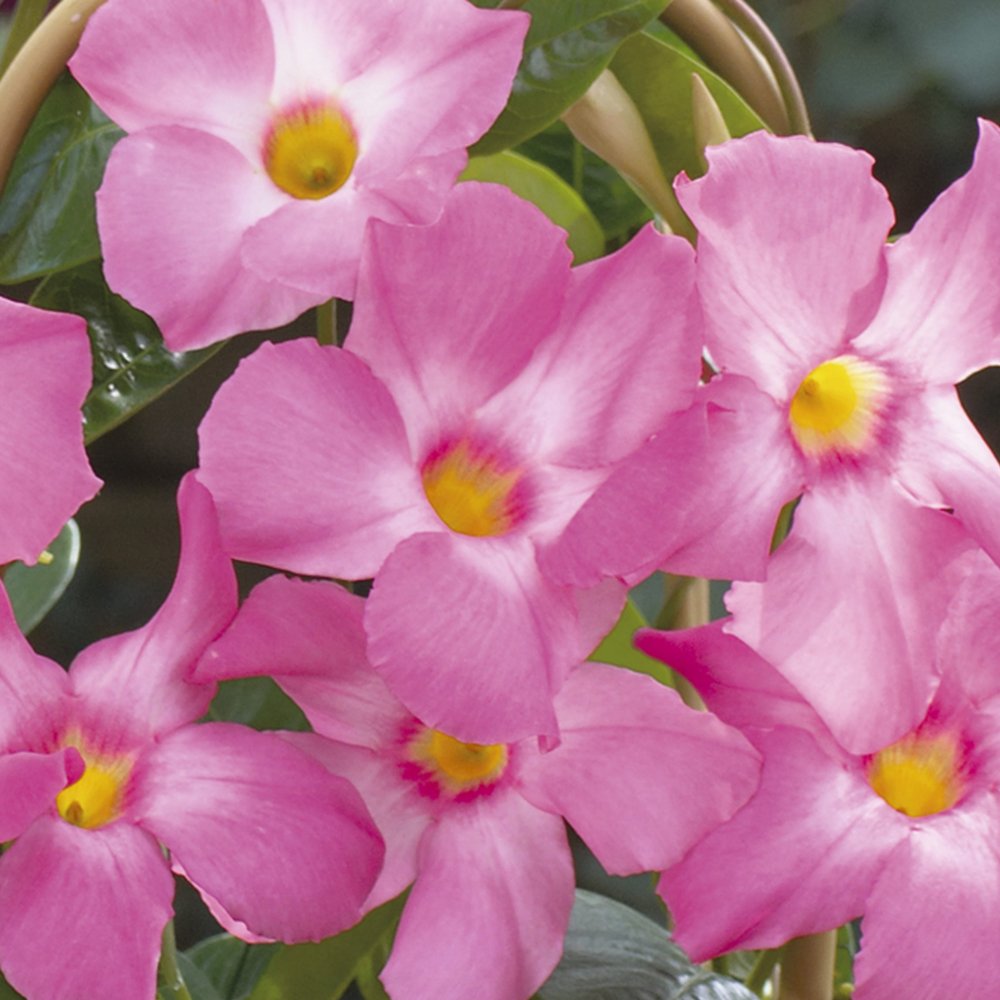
[(259, 703), (567, 46), (546, 189), (131, 365), (614, 953), (47, 215), (231, 966), (616, 647), (198, 984), (33, 590)]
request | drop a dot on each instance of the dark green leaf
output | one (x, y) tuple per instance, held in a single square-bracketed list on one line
[(33, 590), (617, 648), (546, 189), (568, 45), (47, 220), (131, 365), (230, 965), (323, 971), (257, 702), (614, 953), (198, 984), (7, 992), (656, 73)]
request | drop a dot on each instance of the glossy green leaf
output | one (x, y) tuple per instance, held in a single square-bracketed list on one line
[(614, 953), (231, 966), (33, 590), (616, 647), (198, 985), (131, 365), (546, 189), (656, 73), (323, 971), (47, 220), (568, 45), (259, 703)]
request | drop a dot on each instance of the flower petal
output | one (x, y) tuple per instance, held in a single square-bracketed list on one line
[(790, 253), (29, 784), (287, 848), (80, 908), (610, 779), (489, 910)]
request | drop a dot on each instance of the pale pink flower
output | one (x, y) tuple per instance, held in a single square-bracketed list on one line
[(45, 374), (85, 890), (484, 392), (905, 836), (263, 134), (478, 829)]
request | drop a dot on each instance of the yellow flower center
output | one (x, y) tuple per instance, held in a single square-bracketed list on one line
[(310, 150), (838, 406), (473, 493), (920, 775), (95, 799), (441, 763)]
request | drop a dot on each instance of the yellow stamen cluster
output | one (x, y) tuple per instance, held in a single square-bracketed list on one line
[(456, 767), (95, 799), (920, 775)]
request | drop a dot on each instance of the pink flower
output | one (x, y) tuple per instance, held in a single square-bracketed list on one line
[(263, 134), (904, 836), (85, 891), (479, 828), (484, 393), (43, 464)]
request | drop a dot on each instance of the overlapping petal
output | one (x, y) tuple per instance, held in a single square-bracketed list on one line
[(29, 784)]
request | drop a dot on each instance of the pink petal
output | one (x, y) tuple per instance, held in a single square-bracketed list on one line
[(29, 784), (83, 907), (326, 485), (139, 684), (799, 858), (941, 308), (287, 848), (588, 398), (471, 638), (207, 64), (43, 464), (946, 876), (443, 355), (790, 253), (196, 196), (609, 779), (487, 915), (309, 637), (851, 607)]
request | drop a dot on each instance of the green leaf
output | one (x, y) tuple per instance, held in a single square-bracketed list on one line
[(33, 590), (47, 216), (231, 966), (257, 702), (656, 74), (546, 189), (614, 953), (198, 985), (616, 647), (131, 365), (323, 971), (567, 46)]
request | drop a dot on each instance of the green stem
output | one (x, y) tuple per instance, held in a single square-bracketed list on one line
[(172, 982), (326, 323), (807, 965), (761, 971), (685, 605), (27, 16)]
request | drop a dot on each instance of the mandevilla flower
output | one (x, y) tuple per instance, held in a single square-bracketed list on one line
[(263, 134), (44, 378), (478, 828), (904, 836), (484, 392), (256, 825)]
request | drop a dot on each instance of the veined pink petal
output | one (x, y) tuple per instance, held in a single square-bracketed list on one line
[(326, 485), (799, 858), (29, 784), (82, 911), (589, 398), (851, 606), (183, 184), (441, 355), (947, 874), (940, 311), (481, 652), (790, 253), (487, 915), (43, 464), (638, 775), (207, 64), (139, 684), (309, 637), (286, 847)]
